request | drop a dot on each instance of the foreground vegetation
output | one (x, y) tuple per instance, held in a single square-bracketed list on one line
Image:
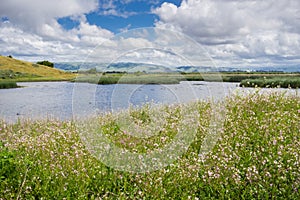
[(256, 157)]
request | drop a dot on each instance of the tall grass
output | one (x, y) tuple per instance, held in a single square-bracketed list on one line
[(247, 80), (283, 82), (8, 84), (256, 157), (118, 78)]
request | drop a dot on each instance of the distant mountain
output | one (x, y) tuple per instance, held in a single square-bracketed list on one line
[(137, 67), (120, 67), (294, 68), (204, 69), (151, 68), (67, 66), (130, 67), (75, 66)]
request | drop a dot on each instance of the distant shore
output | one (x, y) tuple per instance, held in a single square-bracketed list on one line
[(13, 71), (251, 79)]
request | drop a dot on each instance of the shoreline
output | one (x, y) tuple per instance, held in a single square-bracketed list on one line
[(254, 79)]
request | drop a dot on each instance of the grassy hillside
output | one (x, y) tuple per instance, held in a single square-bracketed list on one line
[(16, 70)]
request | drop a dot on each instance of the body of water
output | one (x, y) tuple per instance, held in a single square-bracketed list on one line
[(63, 100)]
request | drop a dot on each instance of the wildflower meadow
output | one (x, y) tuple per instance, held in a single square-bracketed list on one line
[(255, 155)]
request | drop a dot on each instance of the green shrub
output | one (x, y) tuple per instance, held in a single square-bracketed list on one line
[(238, 78), (46, 63), (7, 85), (105, 80)]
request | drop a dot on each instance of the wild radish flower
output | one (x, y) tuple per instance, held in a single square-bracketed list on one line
[(210, 174), (56, 148), (267, 174)]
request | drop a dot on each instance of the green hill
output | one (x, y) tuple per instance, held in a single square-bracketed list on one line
[(16, 70)]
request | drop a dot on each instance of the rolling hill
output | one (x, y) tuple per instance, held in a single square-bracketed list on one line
[(18, 70)]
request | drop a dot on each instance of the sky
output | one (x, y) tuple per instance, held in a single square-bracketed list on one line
[(173, 32)]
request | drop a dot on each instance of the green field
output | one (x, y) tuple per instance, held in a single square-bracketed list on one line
[(256, 157)]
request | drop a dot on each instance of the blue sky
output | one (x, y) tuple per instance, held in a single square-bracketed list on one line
[(121, 15), (231, 33)]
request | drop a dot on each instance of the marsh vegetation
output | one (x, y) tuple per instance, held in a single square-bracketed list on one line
[(284, 80)]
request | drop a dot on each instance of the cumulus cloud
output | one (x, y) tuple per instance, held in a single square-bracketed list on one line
[(232, 32), (32, 47), (152, 46), (31, 29), (238, 29), (34, 14)]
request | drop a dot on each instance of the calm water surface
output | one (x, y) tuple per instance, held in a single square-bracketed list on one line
[(63, 100)]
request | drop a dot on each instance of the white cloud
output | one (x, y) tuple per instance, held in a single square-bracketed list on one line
[(109, 8), (70, 45), (116, 47), (153, 2), (118, 7), (32, 14), (233, 32), (124, 29), (32, 30), (32, 47), (118, 13), (235, 29), (152, 46)]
